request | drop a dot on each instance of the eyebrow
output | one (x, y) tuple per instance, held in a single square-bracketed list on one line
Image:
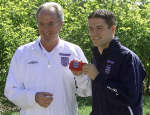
[(50, 22), (97, 26)]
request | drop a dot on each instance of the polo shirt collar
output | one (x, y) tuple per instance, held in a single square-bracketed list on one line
[(113, 44), (38, 46)]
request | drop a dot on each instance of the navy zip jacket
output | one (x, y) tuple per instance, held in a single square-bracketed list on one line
[(117, 89)]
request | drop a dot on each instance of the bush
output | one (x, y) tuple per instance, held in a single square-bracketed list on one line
[(18, 26)]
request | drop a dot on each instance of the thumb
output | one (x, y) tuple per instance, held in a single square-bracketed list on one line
[(47, 94)]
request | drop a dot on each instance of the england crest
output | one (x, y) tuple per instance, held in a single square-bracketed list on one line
[(65, 61)]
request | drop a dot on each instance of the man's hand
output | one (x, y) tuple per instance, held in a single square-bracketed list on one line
[(91, 70), (77, 73), (76, 67), (44, 99)]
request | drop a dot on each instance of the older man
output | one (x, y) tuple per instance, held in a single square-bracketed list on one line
[(39, 79)]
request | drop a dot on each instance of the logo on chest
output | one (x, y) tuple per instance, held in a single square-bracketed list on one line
[(108, 66), (65, 61)]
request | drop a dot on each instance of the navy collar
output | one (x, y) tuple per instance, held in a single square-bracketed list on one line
[(112, 46)]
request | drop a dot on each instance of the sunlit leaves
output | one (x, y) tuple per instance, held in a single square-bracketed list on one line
[(18, 26)]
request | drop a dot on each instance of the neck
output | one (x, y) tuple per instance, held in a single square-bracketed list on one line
[(49, 45), (101, 48)]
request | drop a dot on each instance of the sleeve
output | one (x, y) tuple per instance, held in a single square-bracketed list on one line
[(128, 88), (83, 82), (14, 88)]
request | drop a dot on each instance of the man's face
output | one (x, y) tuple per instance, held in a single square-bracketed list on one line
[(100, 33), (48, 24)]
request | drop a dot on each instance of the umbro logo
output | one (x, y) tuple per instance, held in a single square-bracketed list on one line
[(33, 62)]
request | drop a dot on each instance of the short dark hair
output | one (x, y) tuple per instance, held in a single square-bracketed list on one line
[(108, 16)]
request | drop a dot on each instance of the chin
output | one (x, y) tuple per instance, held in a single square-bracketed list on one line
[(46, 39), (95, 44)]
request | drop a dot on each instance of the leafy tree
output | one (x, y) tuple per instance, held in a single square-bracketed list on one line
[(18, 26)]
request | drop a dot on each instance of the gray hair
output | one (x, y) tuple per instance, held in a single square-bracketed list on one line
[(56, 6)]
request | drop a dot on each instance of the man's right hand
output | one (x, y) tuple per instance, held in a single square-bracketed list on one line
[(44, 99), (91, 70)]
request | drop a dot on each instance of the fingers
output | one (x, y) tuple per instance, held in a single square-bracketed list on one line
[(47, 94), (43, 98), (85, 68), (44, 102), (77, 73), (90, 70)]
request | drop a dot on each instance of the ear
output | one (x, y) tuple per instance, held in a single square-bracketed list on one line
[(113, 29), (61, 25)]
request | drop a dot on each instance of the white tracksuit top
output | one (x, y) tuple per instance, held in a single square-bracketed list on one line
[(34, 70)]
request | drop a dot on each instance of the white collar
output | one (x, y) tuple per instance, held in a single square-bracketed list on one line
[(38, 46)]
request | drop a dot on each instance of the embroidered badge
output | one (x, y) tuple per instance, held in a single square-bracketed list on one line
[(107, 69), (110, 61), (108, 66), (65, 61)]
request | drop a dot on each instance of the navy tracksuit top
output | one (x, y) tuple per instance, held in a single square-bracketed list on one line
[(117, 89)]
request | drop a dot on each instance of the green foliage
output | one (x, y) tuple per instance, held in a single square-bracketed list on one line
[(18, 26)]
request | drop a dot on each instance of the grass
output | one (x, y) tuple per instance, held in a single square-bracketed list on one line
[(146, 105), (85, 106)]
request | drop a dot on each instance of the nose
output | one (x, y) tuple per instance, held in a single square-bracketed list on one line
[(45, 27), (93, 33)]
